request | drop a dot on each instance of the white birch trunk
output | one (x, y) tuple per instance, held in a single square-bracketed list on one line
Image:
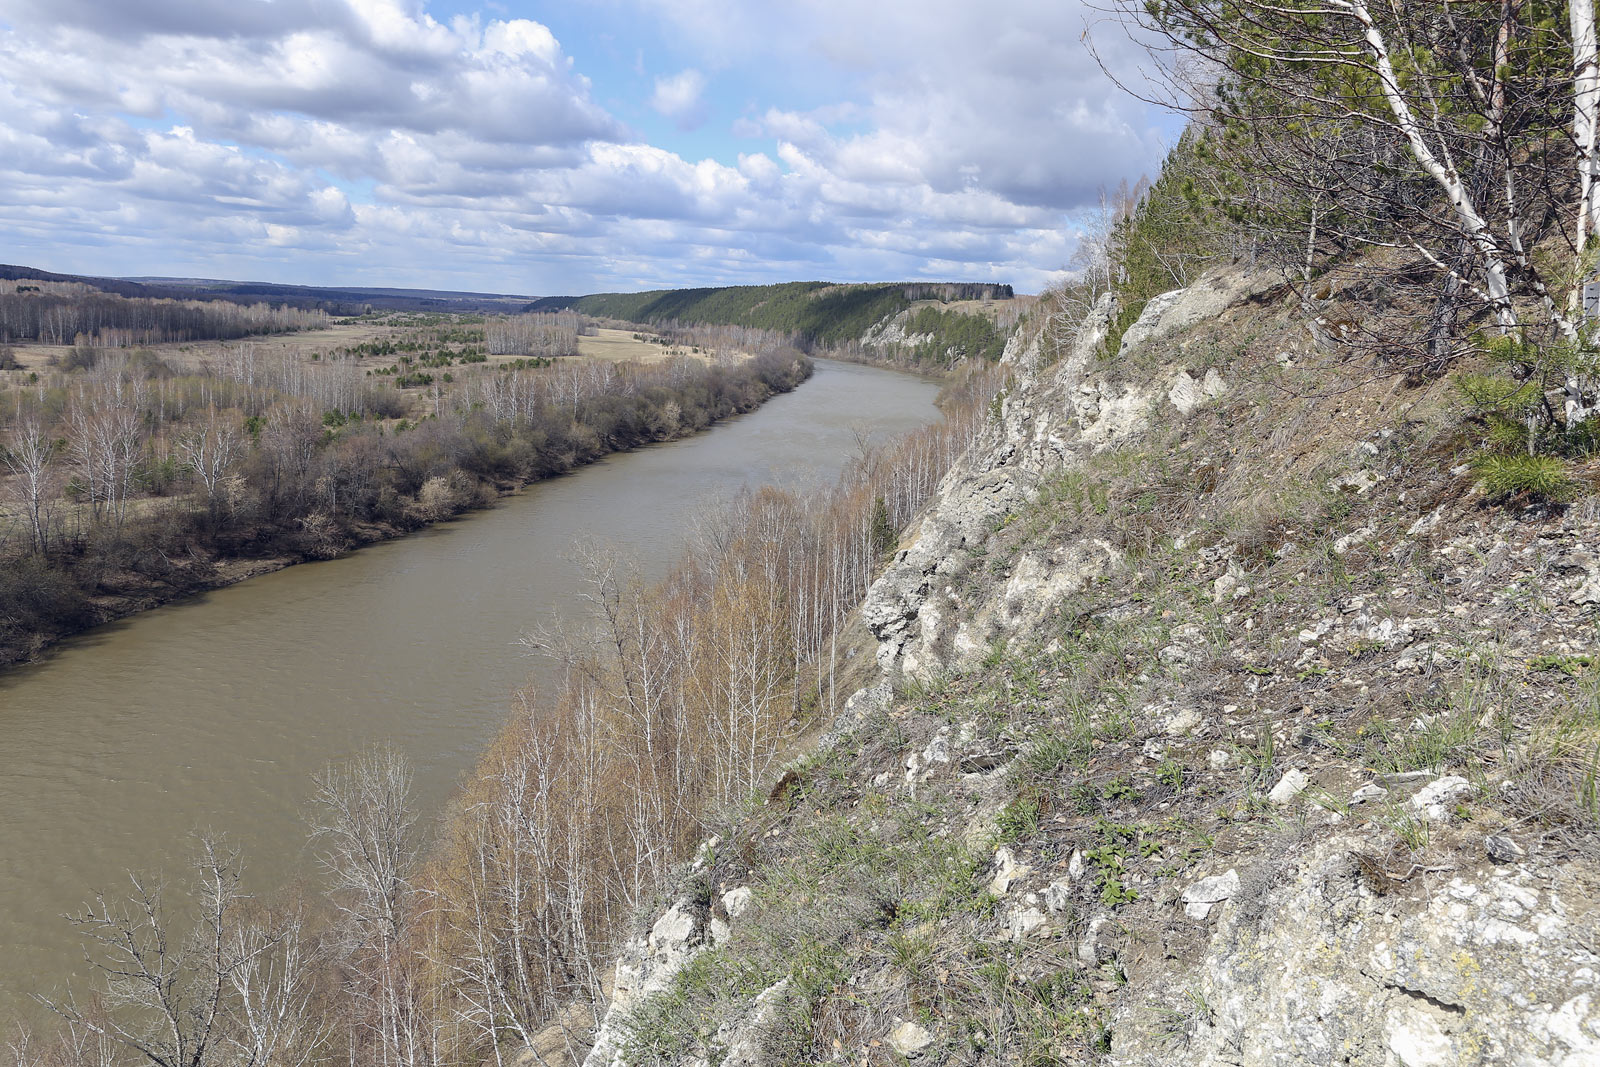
[(1472, 225)]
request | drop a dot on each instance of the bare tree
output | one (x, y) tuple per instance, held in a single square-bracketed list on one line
[(29, 454), (276, 1019), (167, 991), (209, 448), (366, 843)]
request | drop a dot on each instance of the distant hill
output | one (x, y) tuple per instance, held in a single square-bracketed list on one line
[(819, 312), (337, 300)]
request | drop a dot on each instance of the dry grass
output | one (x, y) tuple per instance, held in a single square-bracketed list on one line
[(616, 346), (620, 346)]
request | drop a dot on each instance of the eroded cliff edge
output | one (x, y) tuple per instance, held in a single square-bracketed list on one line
[(1219, 719)]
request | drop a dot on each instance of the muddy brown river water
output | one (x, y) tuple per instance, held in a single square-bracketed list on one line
[(214, 713)]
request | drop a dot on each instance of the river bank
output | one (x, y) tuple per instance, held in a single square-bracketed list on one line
[(53, 597)]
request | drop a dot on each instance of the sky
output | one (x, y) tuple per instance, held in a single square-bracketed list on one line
[(543, 148)]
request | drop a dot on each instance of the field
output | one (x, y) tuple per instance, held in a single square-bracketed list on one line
[(616, 346)]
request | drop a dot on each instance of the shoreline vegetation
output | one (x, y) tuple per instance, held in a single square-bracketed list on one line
[(134, 484)]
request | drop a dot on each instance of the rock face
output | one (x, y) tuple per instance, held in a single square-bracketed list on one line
[(1058, 411), (648, 965), (1491, 967)]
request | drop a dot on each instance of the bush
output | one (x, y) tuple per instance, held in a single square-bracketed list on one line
[(81, 357), (1541, 478)]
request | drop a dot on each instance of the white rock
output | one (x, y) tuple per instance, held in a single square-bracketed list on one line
[(1207, 893), (1023, 922), (1368, 792), (1426, 523), (1089, 949), (1075, 864), (1417, 1040), (1351, 540), (1436, 799), (1007, 872), (1188, 393), (908, 1038), (1291, 785), (736, 901), (1181, 722)]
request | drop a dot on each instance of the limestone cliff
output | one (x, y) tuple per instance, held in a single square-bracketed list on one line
[(1219, 720)]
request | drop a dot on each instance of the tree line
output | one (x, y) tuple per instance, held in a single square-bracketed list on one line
[(546, 335), (816, 315), (112, 321), (127, 479)]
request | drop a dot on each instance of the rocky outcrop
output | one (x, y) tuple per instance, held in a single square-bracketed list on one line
[(1331, 961), (1061, 407), (647, 965)]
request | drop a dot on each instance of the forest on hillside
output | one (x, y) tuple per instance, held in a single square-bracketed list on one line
[(814, 314)]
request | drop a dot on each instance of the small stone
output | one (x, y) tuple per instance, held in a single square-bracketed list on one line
[(1025, 922), (1090, 950), (1075, 864), (1369, 792), (1291, 785), (1007, 872), (1436, 799), (1181, 722), (735, 901), (1502, 849), (1207, 893), (908, 1038)]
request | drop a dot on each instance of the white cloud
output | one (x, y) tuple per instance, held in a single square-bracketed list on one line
[(680, 97), (366, 140)]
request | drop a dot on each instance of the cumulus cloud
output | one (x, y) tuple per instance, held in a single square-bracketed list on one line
[(368, 140), (680, 97)]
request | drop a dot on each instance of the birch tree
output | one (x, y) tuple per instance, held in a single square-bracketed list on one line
[(209, 448), (1481, 116), (29, 453), (169, 994)]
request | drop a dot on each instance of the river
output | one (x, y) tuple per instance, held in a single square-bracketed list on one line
[(214, 713)]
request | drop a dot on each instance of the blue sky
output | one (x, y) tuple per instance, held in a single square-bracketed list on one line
[(559, 148)]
